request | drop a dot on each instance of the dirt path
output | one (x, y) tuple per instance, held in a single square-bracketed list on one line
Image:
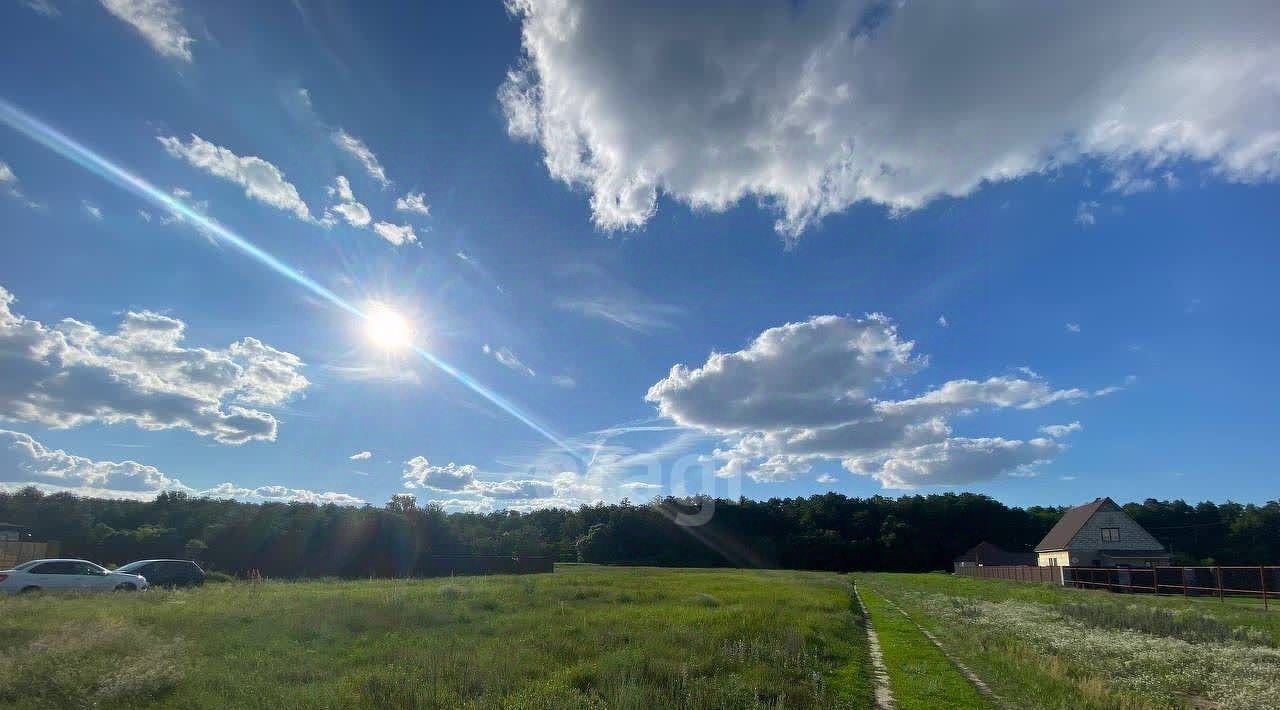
[(972, 677), (879, 673)]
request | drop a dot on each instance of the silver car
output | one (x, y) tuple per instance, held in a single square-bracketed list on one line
[(66, 575)]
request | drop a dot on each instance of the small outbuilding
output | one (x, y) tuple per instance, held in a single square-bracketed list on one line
[(985, 553), (13, 533), (1099, 534)]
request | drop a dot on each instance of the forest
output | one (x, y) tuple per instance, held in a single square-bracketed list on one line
[(822, 532)]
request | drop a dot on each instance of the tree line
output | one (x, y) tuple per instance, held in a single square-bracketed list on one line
[(826, 532)]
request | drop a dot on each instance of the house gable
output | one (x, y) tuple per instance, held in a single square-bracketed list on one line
[(1129, 536), (1080, 528)]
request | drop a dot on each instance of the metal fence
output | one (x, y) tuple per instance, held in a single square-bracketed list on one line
[(13, 552), (1258, 582)]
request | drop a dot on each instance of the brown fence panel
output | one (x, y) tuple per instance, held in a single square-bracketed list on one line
[(13, 552), (1019, 573)]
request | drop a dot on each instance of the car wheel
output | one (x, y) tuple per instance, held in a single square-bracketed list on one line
[(30, 590), (127, 587)]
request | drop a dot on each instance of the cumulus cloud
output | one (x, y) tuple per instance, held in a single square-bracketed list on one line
[(279, 494), (508, 359), (355, 213), (24, 460), (361, 456), (1073, 327), (812, 107), (398, 235), (7, 177), (72, 373), (260, 179), (954, 461), (470, 492), (361, 152), (942, 322), (812, 391), (420, 473), (413, 202), (158, 21), (27, 462)]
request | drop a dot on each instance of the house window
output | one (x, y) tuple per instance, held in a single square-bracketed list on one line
[(1111, 534)]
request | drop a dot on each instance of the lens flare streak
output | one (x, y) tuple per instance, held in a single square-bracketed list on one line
[(86, 158)]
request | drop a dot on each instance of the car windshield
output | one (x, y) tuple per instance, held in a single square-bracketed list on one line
[(26, 565)]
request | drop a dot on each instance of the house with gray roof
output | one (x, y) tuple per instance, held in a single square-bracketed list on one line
[(1099, 534)]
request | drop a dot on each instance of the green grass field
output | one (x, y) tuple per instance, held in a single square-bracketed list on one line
[(612, 637), (1039, 646), (584, 637)]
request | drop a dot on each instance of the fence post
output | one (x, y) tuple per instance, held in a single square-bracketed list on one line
[(1262, 577), (1218, 573)]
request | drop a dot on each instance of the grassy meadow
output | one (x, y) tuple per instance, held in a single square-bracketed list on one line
[(1038, 646), (584, 637)]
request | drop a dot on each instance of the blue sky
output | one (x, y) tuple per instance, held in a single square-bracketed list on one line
[(907, 267)]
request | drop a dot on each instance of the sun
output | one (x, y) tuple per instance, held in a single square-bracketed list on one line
[(386, 328)]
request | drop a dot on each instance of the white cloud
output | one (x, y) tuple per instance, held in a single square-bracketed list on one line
[(1073, 327), (1085, 213), (514, 489), (1057, 431), (639, 486), (44, 7), (361, 152), (563, 381), (413, 202), (812, 107), (1127, 182), (72, 373), (508, 359), (355, 213), (397, 235), (826, 478), (942, 321), (158, 21), (361, 456), (806, 374), (9, 185), (91, 209), (26, 462), (260, 179), (807, 392), (634, 315), (419, 473), (954, 461), (144, 215), (279, 494)]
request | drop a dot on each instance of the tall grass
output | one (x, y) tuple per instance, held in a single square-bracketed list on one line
[(585, 638), (1050, 647)]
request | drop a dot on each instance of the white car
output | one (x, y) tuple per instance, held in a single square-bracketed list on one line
[(66, 575)]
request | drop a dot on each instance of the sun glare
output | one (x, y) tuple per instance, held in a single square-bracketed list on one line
[(386, 328)]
